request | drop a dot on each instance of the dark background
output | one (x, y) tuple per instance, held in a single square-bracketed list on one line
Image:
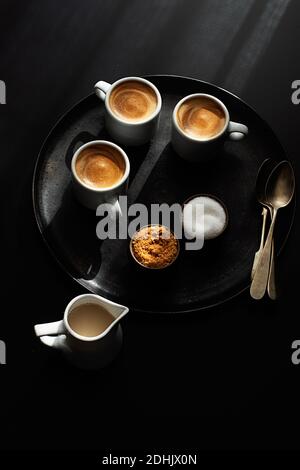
[(222, 379)]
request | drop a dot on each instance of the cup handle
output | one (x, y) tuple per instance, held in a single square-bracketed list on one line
[(112, 208), (237, 131), (117, 208), (54, 328), (101, 88)]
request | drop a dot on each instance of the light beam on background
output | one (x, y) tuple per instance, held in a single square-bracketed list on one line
[(254, 47)]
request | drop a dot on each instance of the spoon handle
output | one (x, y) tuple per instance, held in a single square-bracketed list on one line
[(260, 279), (272, 279), (272, 291), (262, 240)]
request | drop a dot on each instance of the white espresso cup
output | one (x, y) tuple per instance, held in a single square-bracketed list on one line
[(202, 149), (123, 131), (92, 197)]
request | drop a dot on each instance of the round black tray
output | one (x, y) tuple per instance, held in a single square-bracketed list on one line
[(198, 280)]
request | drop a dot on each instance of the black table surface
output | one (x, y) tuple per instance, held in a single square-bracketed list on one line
[(219, 379)]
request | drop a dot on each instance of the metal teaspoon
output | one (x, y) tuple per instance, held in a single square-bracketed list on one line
[(262, 177), (279, 192)]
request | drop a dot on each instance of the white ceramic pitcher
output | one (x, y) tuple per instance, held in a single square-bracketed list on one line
[(88, 352)]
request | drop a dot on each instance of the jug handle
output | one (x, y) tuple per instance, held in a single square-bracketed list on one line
[(53, 328), (57, 342)]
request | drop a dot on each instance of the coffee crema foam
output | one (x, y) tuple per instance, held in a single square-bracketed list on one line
[(100, 166), (201, 117), (133, 101)]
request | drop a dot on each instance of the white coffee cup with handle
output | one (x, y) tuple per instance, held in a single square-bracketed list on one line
[(200, 125), (132, 107), (87, 192)]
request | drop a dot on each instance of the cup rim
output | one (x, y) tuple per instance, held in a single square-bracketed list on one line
[(149, 267), (90, 338), (198, 95), (100, 142), (138, 79)]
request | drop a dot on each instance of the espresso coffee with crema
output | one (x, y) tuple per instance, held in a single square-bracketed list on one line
[(133, 101), (201, 118), (89, 319), (100, 166)]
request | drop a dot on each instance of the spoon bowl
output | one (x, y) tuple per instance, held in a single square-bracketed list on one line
[(280, 186), (263, 176)]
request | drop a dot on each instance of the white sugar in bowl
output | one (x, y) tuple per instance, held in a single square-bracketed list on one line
[(204, 214)]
